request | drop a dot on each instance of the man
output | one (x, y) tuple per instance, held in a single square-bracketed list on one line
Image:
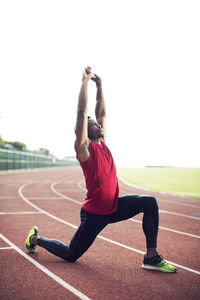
[(102, 205)]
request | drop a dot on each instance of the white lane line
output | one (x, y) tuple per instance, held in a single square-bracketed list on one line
[(44, 198), (167, 201), (131, 185), (81, 186), (6, 197), (168, 229), (161, 211), (141, 252), (5, 248), (177, 214), (39, 209), (45, 270), (19, 212), (101, 237), (178, 203), (61, 195)]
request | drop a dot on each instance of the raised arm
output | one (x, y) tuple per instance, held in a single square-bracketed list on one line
[(100, 109), (82, 143)]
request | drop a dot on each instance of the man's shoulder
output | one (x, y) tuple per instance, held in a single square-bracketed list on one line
[(82, 151)]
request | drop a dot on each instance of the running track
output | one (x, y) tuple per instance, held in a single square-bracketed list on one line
[(111, 268)]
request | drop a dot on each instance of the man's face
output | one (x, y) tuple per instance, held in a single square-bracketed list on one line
[(94, 130)]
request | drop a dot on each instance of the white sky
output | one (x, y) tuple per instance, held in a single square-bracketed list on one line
[(147, 54)]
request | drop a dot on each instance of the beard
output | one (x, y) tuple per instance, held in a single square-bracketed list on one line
[(101, 133), (97, 134)]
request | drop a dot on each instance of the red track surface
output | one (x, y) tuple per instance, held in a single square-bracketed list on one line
[(111, 268)]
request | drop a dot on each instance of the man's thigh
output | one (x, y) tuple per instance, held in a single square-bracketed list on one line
[(87, 231), (128, 207)]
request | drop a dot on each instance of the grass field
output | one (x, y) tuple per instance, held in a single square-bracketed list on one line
[(178, 181)]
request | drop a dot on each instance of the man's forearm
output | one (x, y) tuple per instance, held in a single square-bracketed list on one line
[(83, 97), (100, 110), (81, 121)]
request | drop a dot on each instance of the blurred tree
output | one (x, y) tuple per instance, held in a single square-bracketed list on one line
[(18, 145), (44, 151), (1, 142)]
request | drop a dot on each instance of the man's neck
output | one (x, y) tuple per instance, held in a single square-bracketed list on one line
[(98, 141)]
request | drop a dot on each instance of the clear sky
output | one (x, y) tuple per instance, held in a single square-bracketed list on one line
[(147, 54)]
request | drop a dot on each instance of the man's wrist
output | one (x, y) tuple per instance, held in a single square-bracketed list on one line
[(85, 80), (99, 85)]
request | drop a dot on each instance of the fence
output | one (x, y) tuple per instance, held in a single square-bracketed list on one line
[(13, 160)]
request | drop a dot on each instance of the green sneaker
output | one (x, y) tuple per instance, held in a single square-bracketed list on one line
[(157, 263), (29, 247)]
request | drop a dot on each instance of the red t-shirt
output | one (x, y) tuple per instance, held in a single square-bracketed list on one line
[(101, 181)]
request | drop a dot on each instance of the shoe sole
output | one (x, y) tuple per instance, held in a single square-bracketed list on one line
[(154, 268), (35, 233), (35, 228)]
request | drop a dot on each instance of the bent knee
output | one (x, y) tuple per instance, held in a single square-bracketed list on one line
[(70, 259), (152, 203)]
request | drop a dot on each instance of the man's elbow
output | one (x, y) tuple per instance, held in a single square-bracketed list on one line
[(101, 114), (81, 113), (76, 146)]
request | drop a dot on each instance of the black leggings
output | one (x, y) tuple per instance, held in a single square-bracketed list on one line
[(91, 225)]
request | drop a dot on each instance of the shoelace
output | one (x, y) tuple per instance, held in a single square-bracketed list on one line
[(159, 259), (162, 263)]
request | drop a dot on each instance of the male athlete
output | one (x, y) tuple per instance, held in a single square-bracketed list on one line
[(102, 205)]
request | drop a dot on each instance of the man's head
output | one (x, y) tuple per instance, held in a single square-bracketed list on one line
[(95, 131)]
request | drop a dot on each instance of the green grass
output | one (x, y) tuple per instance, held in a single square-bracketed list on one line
[(177, 181)]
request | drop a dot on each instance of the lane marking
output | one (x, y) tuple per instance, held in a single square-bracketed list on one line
[(46, 271), (160, 211), (168, 229), (178, 203), (61, 195), (5, 248), (39, 209), (66, 190), (177, 214), (141, 252), (8, 172), (44, 198), (131, 185), (141, 188), (81, 185), (6, 197), (19, 212), (101, 237)]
